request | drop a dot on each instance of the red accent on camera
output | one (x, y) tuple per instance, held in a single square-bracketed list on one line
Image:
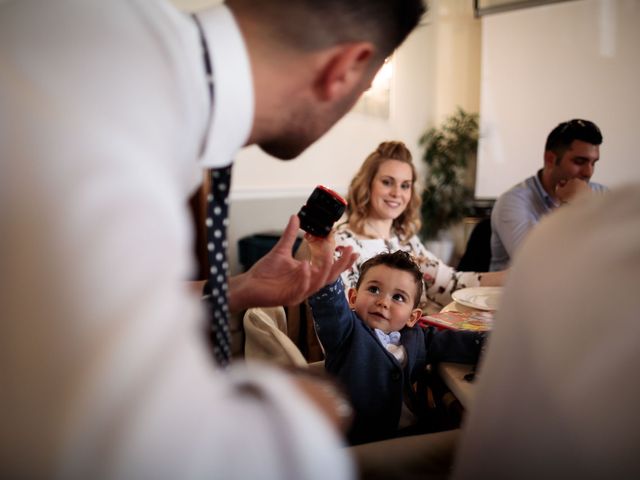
[(333, 194)]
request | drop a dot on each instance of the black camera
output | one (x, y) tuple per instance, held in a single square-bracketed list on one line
[(323, 208)]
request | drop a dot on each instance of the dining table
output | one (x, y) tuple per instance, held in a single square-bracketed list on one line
[(459, 377)]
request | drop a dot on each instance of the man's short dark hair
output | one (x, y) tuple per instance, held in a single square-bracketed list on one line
[(561, 137), (317, 24), (400, 261)]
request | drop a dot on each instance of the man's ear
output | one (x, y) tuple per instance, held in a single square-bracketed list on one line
[(416, 313), (351, 295), (344, 68), (550, 158)]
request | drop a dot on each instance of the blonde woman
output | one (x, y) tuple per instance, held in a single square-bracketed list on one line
[(383, 215)]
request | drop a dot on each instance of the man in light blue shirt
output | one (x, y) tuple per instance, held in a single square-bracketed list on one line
[(571, 152)]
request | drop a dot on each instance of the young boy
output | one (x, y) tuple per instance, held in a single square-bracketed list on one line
[(374, 348)]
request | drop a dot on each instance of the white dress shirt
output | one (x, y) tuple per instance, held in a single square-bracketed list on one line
[(104, 372), (232, 117)]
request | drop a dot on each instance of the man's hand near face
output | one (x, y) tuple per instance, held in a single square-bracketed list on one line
[(567, 190)]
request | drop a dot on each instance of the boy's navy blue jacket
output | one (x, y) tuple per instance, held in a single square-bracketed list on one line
[(372, 376)]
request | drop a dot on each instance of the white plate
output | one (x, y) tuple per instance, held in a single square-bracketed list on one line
[(482, 298)]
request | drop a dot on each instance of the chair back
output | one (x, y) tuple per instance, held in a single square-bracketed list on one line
[(266, 338), (477, 255)]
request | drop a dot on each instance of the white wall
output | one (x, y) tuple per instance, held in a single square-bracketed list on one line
[(194, 5), (456, 49), (544, 65)]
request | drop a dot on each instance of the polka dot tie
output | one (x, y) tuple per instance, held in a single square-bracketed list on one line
[(215, 290)]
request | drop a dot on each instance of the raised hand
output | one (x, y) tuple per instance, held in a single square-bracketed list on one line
[(279, 279), (566, 190), (322, 251)]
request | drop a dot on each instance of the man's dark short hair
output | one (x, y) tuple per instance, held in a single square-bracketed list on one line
[(561, 137), (316, 24), (400, 261)]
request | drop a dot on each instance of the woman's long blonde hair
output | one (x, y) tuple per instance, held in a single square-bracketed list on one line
[(359, 196)]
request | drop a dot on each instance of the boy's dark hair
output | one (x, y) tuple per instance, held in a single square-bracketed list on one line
[(399, 260), (561, 137)]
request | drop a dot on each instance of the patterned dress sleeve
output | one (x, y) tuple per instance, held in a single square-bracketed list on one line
[(345, 238), (441, 280)]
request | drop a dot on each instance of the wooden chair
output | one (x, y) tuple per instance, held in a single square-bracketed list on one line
[(300, 321), (266, 340)]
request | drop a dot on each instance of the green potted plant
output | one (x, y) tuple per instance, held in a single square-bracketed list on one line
[(449, 152)]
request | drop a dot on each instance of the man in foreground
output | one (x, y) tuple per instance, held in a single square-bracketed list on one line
[(107, 119), (557, 392)]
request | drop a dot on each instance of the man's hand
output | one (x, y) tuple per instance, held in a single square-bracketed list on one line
[(320, 249), (279, 279), (566, 190)]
